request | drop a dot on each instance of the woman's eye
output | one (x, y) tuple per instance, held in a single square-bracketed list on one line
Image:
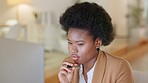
[(81, 44), (69, 43)]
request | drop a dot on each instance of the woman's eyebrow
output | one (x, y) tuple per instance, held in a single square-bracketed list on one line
[(80, 41), (68, 40), (77, 40)]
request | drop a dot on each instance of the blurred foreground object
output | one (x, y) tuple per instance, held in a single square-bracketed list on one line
[(21, 62)]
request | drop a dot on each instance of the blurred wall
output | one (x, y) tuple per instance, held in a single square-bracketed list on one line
[(52, 9)]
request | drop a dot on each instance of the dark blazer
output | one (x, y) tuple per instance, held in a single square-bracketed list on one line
[(108, 69)]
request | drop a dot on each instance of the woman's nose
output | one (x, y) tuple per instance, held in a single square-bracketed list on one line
[(74, 49)]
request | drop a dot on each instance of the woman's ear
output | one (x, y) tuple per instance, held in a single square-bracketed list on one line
[(98, 42)]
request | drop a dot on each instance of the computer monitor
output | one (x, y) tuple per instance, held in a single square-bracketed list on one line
[(21, 62)]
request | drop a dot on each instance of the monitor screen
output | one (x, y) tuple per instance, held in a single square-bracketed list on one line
[(21, 62)]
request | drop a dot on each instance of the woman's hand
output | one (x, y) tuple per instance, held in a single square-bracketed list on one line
[(66, 72)]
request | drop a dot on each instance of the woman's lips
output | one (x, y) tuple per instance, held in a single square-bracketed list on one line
[(75, 57)]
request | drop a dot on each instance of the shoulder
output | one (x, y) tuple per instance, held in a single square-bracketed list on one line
[(115, 59), (117, 63), (120, 68)]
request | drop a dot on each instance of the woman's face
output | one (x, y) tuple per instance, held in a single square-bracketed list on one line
[(81, 45)]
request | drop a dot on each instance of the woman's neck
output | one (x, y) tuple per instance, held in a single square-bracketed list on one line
[(89, 64)]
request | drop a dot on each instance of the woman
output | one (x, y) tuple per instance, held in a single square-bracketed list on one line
[(88, 27)]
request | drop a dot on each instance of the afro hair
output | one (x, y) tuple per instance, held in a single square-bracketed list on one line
[(91, 17)]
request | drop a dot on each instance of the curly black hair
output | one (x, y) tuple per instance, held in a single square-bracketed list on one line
[(91, 17)]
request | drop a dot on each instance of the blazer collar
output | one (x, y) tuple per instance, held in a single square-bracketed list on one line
[(100, 68)]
